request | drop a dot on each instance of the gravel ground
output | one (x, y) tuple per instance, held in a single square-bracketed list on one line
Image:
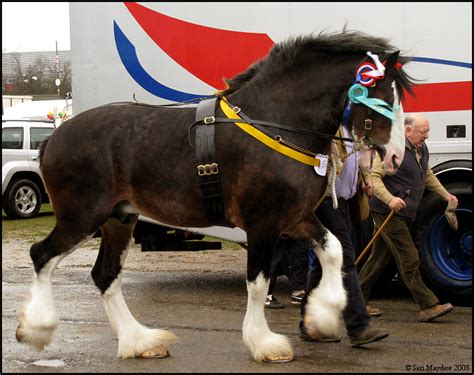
[(201, 297), (16, 252)]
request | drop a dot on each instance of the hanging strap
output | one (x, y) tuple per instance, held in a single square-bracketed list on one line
[(208, 166)]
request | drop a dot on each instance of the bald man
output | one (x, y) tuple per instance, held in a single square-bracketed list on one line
[(414, 174)]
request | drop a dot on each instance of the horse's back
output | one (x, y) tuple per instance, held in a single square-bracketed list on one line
[(123, 152), (126, 124)]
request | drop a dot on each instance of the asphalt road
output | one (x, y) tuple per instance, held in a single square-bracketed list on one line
[(206, 309)]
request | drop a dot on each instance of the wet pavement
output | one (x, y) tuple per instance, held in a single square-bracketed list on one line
[(205, 310)]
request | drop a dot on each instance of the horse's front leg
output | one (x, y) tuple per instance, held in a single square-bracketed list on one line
[(326, 301), (262, 342)]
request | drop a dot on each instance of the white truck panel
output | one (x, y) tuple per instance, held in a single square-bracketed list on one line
[(440, 31)]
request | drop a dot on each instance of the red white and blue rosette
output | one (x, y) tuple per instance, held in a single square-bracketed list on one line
[(367, 73)]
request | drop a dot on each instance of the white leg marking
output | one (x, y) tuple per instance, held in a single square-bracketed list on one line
[(134, 338), (39, 318), (263, 343), (326, 302)]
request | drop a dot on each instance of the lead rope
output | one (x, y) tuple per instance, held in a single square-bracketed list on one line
[(334, 156), (337, 162)]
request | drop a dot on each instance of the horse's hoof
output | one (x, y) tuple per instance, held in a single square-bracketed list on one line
[(279, 358), (157, 352), (38, 340), (314, 333), (20, 334)]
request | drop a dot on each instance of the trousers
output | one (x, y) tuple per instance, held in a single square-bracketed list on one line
[(395, 239), (290, 258)]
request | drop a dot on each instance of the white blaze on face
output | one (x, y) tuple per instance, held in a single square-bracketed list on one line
[(396, 147)]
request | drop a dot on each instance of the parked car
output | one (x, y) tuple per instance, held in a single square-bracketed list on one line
[(23, 189)]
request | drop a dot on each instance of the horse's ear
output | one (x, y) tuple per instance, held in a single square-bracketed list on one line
[(392, 60)]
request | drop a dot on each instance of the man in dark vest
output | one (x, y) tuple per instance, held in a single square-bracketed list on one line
[(395, 239)]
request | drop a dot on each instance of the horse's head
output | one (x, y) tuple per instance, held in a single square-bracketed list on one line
[(376, 115)]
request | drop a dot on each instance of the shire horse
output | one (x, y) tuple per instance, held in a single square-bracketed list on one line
[(107, 165)]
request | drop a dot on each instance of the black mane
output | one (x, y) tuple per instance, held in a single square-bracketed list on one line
[(294, 51)]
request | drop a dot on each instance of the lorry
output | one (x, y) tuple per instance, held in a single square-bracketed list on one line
[(161, 53)]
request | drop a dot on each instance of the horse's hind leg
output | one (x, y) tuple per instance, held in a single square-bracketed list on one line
[(262, 342), (135, 340), (326, 301), (39, 318)]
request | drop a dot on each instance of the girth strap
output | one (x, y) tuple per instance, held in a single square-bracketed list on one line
[(208, 166)]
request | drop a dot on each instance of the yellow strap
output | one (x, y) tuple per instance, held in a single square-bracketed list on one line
[(270, 142)]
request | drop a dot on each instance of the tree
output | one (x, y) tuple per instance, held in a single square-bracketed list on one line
[(64, 76), (38, 78)]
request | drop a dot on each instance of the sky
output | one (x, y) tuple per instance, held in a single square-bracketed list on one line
[(30, 27)]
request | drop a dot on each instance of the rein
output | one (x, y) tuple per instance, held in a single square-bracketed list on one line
[(256, 129), (276, 142), (245, 119), (366, 75)]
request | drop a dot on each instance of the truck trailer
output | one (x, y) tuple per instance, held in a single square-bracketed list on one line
[(162, 53)]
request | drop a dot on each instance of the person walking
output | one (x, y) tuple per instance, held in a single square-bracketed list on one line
[(290, 258), (339, 222), (414, 174)]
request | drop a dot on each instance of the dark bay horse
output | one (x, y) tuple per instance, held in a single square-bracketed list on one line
[(109, 164)]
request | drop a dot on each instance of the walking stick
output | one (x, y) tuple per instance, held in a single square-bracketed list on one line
[(369, 245)]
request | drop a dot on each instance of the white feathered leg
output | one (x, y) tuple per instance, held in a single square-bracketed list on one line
[(263, 343), (39, 318), (326, 302), (135, 340)]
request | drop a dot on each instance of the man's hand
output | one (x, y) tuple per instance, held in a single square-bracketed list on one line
[(397, 204), (369, 188), (451, 197)]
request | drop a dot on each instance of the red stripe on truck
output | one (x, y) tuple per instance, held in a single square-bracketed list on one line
[(437, 97), (210, 54)]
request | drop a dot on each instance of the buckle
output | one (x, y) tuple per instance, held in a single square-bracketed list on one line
[(368, 124), (209, 120), (236, 109), (368, 142), (208, 169)]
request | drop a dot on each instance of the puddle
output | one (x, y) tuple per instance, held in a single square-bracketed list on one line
[(49, 363)]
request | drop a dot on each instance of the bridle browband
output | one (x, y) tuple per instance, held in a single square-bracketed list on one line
[(367, 74)]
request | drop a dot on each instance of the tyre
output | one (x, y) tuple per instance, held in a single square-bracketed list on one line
[(445, 254), (22, 199)]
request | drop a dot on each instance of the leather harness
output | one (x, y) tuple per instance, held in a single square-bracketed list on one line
[(208, 166)]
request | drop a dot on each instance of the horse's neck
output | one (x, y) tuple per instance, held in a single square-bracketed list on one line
[(316, 106)]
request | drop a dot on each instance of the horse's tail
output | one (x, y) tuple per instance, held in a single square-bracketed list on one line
[(41, 151)]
